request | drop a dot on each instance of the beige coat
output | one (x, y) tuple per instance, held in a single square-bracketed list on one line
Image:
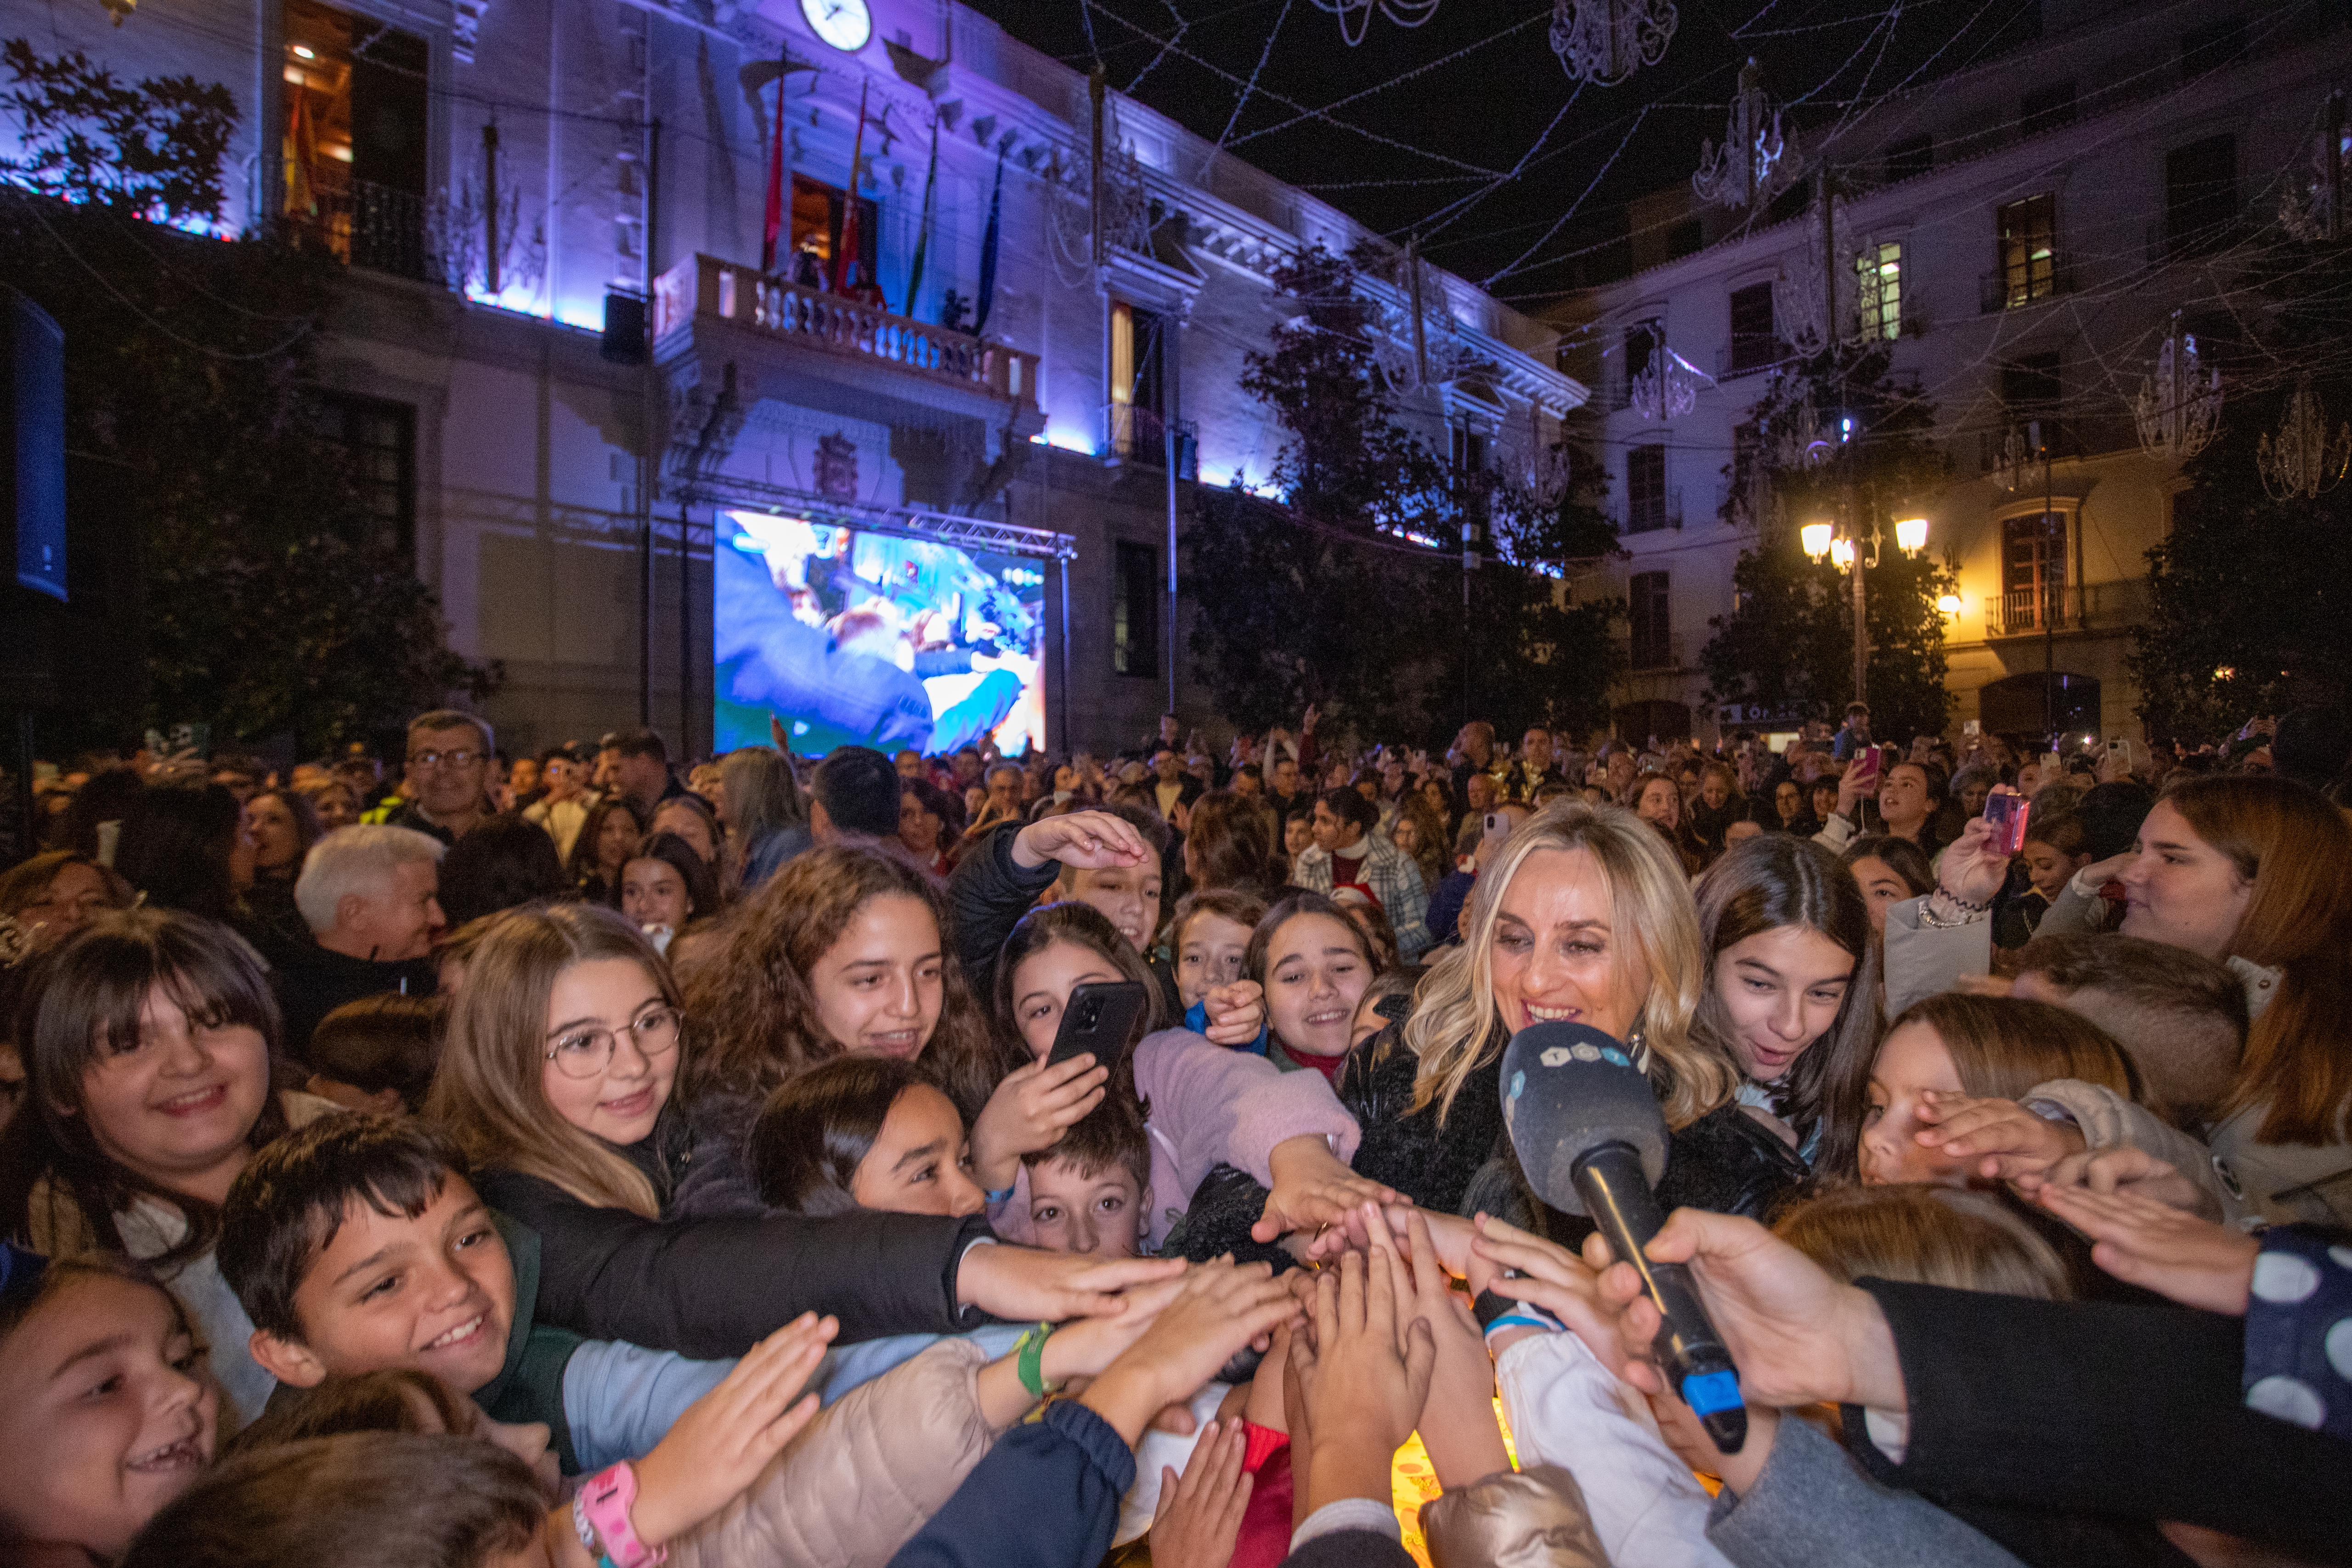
[(863, 1478)]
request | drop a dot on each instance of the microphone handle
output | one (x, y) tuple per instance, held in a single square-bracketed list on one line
[(1617, 1194)]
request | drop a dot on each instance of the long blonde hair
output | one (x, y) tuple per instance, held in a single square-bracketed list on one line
[(486, 1091), (1455, 1029)]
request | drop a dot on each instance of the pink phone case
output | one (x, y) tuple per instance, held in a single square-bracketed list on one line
[(2008, 816)]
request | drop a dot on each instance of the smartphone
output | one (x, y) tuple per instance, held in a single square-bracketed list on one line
[(2008, 815), (1867, 762), (1498, 825), (1973, 727), (2053, 765), (1099, 1018)]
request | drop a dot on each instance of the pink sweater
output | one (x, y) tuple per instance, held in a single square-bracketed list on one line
[(1209, 1105)]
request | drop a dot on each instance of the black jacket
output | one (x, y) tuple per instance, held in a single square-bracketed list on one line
[(986, 899), (715, 1288), (1724, 1161), (312, 982), (2121, 1413)]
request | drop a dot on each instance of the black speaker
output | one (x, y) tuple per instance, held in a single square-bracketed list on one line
[(624, 327), (32, 445)]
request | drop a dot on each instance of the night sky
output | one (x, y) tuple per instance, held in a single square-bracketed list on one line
[(1436, 150)]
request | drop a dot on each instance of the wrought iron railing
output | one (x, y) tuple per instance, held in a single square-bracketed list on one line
[(358, 221)]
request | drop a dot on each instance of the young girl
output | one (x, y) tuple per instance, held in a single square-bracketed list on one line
[(1204, 1105), (1953, 1048), (557, 1079), (1314, 963), (107, 1410), (665, 886), (861, 1132), (1889, 871), (1791, 992), (607, 839), (147, 1062)]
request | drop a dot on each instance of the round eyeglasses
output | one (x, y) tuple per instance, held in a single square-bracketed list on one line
[(587, 1052)]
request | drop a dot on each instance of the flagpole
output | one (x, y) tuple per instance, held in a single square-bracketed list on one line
[(773, 228), (923, 227), (849, 211)]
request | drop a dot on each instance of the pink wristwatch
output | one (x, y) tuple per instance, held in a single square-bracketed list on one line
[(604, 1504)]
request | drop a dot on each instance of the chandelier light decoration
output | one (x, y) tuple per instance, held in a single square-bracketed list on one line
[(1605, 41), (1817, 303), (2179, 408), (1667, 387), (2311, 205), (1748, 169), (1356, 15), (1797, 440), (2305, 461)]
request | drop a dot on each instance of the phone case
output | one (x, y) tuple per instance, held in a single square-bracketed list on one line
[(1098, 1018)]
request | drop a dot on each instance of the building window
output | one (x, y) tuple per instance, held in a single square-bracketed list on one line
[(2034, 573), (377, 442), (819, 213), (1138, 381), (1466, 448), (1915, 156), (1755, 339), (356, 139), (1686, 238), (1642, 340), (2209, 47), (2029, 249), (2032, 390), (2200, 195), (1135, 610), (1878, 279), (1645, 488), (1648, 609), (2047, 108)]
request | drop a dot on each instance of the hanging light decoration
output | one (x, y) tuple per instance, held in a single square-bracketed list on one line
[(1605, 41), (1815, 313), (1746, 171), (1403, 13), (2311, 205), (1667, 387), (2022, 459), (2179, 408), (2305, 461)]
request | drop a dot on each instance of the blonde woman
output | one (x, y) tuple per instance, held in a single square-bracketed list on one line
[(1584, 918)]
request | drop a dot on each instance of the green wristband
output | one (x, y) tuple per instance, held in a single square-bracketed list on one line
[(1029, 1361)]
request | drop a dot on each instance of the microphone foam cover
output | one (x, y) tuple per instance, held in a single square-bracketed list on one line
[(1568, 1089)]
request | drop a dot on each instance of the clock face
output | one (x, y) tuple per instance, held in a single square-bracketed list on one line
[(844, 24)]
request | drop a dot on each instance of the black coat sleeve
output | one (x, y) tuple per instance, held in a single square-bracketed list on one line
[(1351, 1549), (715, 1288), (1046, 1496), (986, 899), (2104, 1409)]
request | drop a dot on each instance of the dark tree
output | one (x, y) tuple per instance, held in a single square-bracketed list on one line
[(1789, 643), (1350, 593), (153, 150), (273, 600)]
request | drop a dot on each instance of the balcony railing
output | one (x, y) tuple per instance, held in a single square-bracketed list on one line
[(1652, 653), (358, 222), (1655, 512), (1746, 355), (703, 286), (2013, 288), (1139, 435)]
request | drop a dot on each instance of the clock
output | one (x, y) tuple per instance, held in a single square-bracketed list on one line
[(847, 24)]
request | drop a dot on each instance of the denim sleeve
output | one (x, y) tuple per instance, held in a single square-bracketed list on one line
[(621, 1399)]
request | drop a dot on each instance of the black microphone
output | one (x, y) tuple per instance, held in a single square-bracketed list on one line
[(1589, 1134)]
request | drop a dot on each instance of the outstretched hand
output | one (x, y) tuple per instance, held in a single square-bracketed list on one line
[(727, 1437), (1236, 1012), (2145, 1243), (1371, 1382), (1199, 1516), (1090, 840), (1029, 1111), (2124, 1168), (2001, 1139), (1023, 1284), (1973, 870), (1311, 1189)]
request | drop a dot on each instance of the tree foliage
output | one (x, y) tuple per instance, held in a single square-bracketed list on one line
[(273, 600), (153, 150), (1788, 643), (2251, 597), (1342, 596)]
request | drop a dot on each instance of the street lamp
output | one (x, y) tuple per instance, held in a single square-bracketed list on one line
[(1947, 603), (1816, 537), (1911, 534), (1838, 544)]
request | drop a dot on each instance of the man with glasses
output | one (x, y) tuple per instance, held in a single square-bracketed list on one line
[(447, 789)]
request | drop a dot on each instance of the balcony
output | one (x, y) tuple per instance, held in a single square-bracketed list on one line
[(358, 222), (1139, 435), (705, 289), (1746, 355), (1653, 654), (1649, 514), (2013, 288)]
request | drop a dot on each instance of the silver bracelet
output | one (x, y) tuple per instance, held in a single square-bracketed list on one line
[(1969, 912)]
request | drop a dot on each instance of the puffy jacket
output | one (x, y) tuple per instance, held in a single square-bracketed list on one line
[(986, 899), (857, 1483), (1533, 1517), (1046, 1497)]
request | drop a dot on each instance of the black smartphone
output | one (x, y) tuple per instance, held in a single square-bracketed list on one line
[(1098, 1018)]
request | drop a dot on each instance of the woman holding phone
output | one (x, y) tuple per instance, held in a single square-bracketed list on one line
[(1908, 794)]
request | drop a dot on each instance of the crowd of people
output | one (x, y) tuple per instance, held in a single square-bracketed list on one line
[(593, 1159)]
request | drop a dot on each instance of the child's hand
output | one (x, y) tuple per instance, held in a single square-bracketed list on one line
[(1022, 1284), (1236, 1012), (1083, 1348), (2124, 1168), (1029, 1111), (2142, 1242), (727, 1437), (1370, 1381), (1998, 1139), (1222, 1307), (1199, 1517), (1458, 1421), (1558, 1280)]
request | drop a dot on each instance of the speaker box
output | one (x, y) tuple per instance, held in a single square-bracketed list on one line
[(624, 327), (33, 445)]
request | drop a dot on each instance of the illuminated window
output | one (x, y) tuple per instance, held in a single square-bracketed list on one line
[(1138, 380), (1878, 277), (2029, 249)]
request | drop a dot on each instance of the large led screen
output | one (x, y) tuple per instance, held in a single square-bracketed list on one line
[(847, 637)]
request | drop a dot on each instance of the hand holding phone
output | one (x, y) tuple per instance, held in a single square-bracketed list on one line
[(1098, 1020), (2008, 814)]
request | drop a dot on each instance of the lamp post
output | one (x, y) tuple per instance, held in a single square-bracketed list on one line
[(1854, 547)]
